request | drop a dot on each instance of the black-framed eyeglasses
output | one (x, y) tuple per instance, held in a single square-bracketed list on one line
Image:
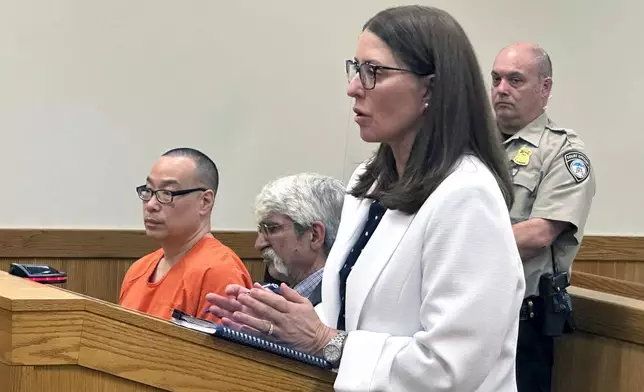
[(369, 71), (164, 196)]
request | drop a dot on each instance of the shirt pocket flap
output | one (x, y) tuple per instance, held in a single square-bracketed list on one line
[(526, 179)]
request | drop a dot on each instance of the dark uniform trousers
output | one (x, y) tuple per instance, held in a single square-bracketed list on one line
[(535, 355)]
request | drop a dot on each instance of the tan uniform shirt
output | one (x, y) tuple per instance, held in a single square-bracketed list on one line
[(553, 179)]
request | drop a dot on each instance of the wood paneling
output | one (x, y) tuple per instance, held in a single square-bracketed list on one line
[(93, 244), (102, 278), (608, 285), (56, 329), (65, 379), (130, 353), (96, 260), (618, 269), (98, 278), (612, 256), (50, 336), (5, 371), (128, 244), (589, 363), (606, 352), (609, 315), (256, 268), (624, 248)]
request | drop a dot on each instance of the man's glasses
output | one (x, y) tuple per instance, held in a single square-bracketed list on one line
[(268, 228), (164, 196), (368, 72)]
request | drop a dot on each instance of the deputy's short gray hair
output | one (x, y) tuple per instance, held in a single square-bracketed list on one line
[(542, 59), (305, 198)]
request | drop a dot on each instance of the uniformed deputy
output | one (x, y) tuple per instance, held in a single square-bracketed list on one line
[(554, 184)]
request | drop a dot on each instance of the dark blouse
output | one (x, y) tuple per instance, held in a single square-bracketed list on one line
[(376, 211)]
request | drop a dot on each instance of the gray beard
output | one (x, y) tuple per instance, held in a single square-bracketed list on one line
[(270, 257)]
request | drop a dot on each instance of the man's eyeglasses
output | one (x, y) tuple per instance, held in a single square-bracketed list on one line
[(164, 196), (268, 228), (368, 72)]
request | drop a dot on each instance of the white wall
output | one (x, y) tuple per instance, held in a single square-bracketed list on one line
[(92, 91)]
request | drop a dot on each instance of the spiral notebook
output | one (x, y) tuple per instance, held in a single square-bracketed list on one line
[(218, 330)]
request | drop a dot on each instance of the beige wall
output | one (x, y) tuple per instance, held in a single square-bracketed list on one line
[(92, 91)]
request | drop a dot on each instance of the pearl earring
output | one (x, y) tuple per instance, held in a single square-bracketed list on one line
[(426, 104)]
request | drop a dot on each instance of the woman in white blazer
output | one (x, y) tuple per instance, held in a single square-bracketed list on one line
[(423, 286)]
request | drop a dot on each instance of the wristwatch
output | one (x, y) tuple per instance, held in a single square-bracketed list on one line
[(333, 350)]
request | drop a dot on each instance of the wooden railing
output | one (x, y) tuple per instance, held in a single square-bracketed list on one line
[(608, 285), (606, 352), (96, 260), (618, 257)]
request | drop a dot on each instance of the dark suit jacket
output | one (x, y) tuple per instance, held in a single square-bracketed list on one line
[(316, 294)]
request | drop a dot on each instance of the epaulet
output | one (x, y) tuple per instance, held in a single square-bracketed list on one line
[(556, 128)]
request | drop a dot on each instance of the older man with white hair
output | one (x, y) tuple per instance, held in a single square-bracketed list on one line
[(298, 218)]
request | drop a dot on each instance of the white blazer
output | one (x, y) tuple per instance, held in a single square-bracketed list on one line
[(433, 300)]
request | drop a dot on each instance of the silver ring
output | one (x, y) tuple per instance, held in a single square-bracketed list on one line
[(270, 330)]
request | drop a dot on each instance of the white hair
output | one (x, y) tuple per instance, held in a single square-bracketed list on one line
[(305, 198)]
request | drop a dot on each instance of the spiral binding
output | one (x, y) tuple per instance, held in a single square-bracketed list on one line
[(218, 330), (254, 341)]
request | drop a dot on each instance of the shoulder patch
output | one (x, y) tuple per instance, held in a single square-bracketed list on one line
[(578, 165)]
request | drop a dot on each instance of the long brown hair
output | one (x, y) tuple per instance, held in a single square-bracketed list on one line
[(457, 122)]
